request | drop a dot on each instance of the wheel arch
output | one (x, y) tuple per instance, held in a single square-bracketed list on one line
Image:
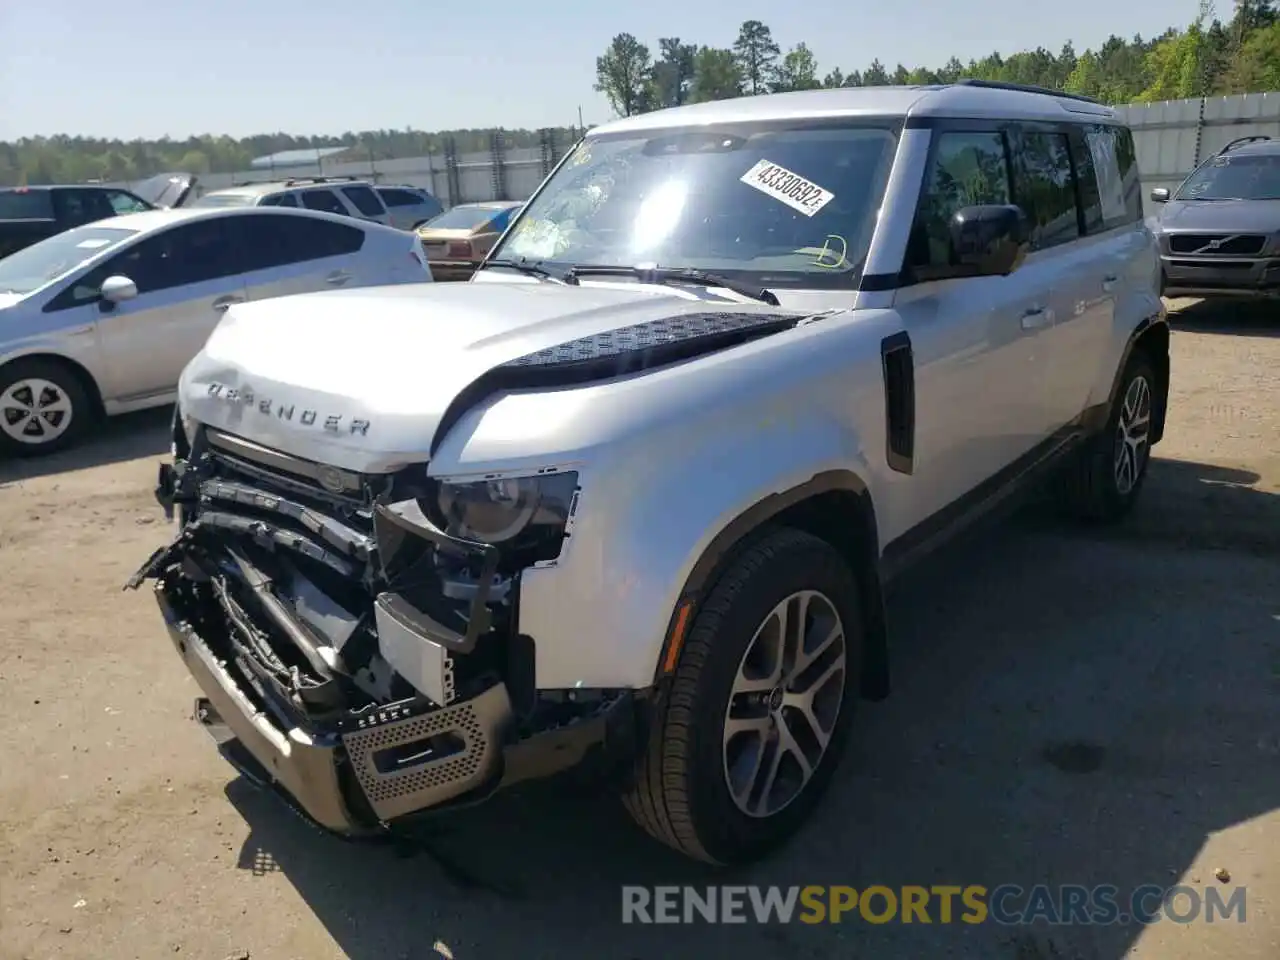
[(1151, 339), (75, 368), (834, 506)]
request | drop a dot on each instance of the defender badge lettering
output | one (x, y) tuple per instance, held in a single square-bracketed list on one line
[(290, 413)]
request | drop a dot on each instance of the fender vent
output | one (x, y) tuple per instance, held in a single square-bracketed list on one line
[(898, 362)]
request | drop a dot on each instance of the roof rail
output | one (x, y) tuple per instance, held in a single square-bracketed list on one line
[(1024, 88), (345, 178), (1241, 141)]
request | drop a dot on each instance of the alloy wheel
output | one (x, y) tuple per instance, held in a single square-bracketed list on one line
[(1133, 430), (784, 704)]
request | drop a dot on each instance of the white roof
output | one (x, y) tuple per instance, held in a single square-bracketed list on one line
[(953, 100), (155, 219)]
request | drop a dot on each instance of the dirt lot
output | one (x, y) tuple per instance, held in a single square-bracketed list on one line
[(122, 834)]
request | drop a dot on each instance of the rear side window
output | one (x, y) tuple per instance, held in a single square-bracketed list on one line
[(25, 205), (325, 201), (1087, 182), (279, 200), (186, 254), (1115, 167), (365, 200), (276, 241), (78, 206), (966, 169), (398, 198), (1044, 186)]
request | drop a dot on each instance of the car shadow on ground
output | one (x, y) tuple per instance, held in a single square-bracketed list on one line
[(114, 440), (1070, 707), (1240, 318)]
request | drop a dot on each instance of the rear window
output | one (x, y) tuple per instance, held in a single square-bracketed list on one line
[(463, 218), (225, 200), (399, 198), (25, 205), (365, 200)]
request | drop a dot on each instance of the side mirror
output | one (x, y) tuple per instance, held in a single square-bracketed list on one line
[(988, 241), (118, 289), (1160, 195)]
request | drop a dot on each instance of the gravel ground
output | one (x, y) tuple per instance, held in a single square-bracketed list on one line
[(1152, 652)]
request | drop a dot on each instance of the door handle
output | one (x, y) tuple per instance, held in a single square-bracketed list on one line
[(337, 279), (222, 303), (1035, 318), (1109, 282)]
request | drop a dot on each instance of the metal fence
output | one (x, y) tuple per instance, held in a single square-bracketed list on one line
[(1171, 139)]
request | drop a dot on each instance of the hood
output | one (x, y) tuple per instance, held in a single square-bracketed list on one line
[(167, 190), (362, 379), (1221, 216)]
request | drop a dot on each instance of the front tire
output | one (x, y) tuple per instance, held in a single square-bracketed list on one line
[(43, 408), (1103, 485), (758, 713)]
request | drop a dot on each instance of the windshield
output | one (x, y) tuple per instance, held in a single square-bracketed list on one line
[(33, 267), (463, 218), (1246, 177), (778, 206), (225, 200)]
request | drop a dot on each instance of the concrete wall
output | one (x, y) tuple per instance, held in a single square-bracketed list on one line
[(501, 173), (1174, 136)]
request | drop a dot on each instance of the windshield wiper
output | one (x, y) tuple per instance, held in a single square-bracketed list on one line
[(673, 275), (531, 268)]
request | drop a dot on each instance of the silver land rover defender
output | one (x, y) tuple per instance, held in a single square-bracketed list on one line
[(630, 495)]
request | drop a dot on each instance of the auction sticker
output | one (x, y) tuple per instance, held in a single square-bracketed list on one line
[(787, 187)]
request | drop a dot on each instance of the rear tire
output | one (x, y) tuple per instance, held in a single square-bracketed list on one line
[(727, 800), (1103, 484), (44, 408)]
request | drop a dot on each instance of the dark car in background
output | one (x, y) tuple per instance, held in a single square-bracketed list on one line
[(458, 239), (29, 214), (1219, 232)]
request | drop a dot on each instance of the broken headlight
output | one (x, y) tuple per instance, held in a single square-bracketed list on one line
[(523, 513)]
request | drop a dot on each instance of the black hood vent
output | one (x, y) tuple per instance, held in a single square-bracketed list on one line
[(615, 353)]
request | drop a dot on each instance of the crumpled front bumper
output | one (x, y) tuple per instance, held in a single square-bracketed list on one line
[(308, 767), (339, 781)]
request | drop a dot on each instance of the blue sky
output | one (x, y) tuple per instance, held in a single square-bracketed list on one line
[(147, 68)]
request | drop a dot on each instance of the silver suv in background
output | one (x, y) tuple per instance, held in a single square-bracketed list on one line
[(344, 196), (409, 207), (1219, 231), (633, 493)]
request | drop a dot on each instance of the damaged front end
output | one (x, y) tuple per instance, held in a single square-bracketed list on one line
[(356, 637)]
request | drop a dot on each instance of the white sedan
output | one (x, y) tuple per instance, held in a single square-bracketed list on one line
[(101, 319)]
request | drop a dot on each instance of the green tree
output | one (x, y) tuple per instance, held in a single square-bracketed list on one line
[(875, 75), (624, 75), (757, 55), (1257, 64), (673, 73), (716, 75), (798, 71)]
